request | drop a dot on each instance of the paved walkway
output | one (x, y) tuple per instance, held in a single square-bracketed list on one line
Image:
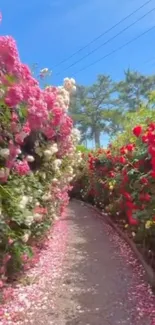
[(100, 282), (98, 286)]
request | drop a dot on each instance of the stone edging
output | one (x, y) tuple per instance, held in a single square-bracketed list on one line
[(149, 273)]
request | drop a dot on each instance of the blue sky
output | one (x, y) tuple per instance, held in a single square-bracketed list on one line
[(48, 31)]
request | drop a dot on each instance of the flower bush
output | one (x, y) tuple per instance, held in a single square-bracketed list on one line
[(121, 181), (37, 157)]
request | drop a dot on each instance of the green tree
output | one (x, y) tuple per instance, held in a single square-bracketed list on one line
[(94, 110), (134, 90)]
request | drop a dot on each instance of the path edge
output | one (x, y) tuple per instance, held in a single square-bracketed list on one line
[(149, 272)]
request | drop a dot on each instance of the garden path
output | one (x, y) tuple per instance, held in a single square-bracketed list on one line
[(100, 283)]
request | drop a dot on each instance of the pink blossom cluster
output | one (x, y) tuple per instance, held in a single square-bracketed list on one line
[(36, 147), (29, 108)]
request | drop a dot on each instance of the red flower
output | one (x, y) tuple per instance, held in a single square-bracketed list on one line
[(152, 173), (130, 147), (111, 174), (144, 180), (122, 160), (153, 163), (145, 138), (127, 196), (132, 221), (137, 130), (123, 150), (145, 197), (152, 126), (151, 150)]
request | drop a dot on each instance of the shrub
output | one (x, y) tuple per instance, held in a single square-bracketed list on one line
[(121, 180), (37, 157)]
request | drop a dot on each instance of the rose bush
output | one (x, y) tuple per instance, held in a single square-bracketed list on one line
[(37, 157), (121, 181)]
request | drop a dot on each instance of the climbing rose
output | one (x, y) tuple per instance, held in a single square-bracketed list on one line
[(22, 168)]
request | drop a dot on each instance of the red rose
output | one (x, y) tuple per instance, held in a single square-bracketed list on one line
[(145, 197), (127, 196), (151, 150), (144, 180), (130, 147), (152, 173), (152, 126), (132, 221), (137, 130), (122, 160), (111, 174)]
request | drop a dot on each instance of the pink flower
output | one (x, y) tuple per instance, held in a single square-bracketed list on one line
[(21, 167), (14, 96), (10, 241), (7, 258), (1, 284)]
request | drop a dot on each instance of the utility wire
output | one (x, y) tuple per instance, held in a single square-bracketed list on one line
[(150, 60), (116, 50), (108, 41), (102, 34)]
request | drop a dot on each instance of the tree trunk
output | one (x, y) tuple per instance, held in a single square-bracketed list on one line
[(97, 138)]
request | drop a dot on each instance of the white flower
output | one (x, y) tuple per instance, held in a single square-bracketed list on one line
[(26, 236), (5, 152), (30, 199), (2, 92), (55, 181), (46, 197), (69, 84), (73, 81), (70, 170), (18, 152), (57, 163), (47, 154), (4, 172), (76, 135), (55, 217), (23, 202), (69, 179), (29, 220), (38, 217), (30, 158), (53, 148), (44, 71)]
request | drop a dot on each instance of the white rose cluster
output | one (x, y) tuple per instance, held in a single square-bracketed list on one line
[(4, 153), (56, 164), (70, 84), (63, 97), (50, 151), (23, 202), (76, 136)]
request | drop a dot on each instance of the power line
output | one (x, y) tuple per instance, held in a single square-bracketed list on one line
[(102, 34), (108, 41), (116, 50), (150, 60)]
